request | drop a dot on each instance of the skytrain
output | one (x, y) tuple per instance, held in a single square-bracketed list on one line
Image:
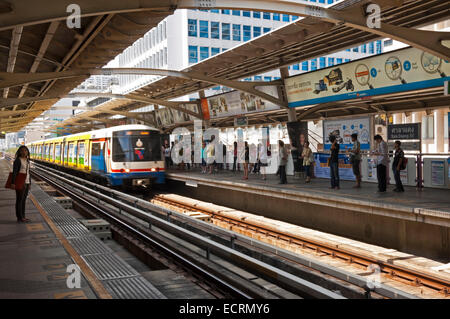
[(128, 156)]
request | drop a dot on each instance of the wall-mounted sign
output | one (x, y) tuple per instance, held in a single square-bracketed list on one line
[(446, 88), (167, 116), (343, 130), (437, 173), (404, 131), (238, 103), (241, 121), (398, 71)]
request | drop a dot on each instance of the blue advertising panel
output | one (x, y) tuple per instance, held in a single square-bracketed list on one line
[(398, 71), (322, 170), (343, 129)]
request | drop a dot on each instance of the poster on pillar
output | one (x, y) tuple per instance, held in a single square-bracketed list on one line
[(392, 72), (238, 103), (298, 135)]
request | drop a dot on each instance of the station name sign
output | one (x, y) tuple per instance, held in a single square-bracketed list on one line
[(404, 131)]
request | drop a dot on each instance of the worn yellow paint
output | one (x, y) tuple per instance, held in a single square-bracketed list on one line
[(76, 294), (35, 227)]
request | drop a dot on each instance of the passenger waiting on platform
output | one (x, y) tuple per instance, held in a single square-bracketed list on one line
[(210, 153), (355, 159), (21, 165), (308, 159), (263, 160), (397, 166), (166, 150), (382, 160), (246, 160), (203, 157), (282, 160), (171, 148), (334, 162), (235, 153)]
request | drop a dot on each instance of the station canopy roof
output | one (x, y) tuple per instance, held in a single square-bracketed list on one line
[(301, 40)]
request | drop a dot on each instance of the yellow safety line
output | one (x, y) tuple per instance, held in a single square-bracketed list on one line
[(95, 283)]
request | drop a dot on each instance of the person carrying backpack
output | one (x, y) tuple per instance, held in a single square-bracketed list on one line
[(398, 165)]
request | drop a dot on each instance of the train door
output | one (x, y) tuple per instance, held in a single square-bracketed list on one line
[(98, 157)]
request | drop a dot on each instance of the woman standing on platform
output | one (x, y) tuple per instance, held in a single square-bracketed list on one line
[(21, 165), (246, 160), (282, 160), (306, 156)]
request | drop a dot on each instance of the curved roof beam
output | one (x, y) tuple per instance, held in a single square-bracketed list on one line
[(50, 10)]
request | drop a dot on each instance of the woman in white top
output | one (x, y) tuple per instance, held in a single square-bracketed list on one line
[(263, 160), (21, 165)]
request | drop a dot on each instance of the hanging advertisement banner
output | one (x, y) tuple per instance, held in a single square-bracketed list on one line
[(205, 109), (437, 173), (238, 103), (167, 116), (343, 129), (322, 170), (398, 71)]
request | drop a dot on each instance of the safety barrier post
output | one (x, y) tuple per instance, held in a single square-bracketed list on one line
[(419, 172)]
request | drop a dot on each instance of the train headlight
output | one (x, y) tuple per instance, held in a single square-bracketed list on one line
[(127, 170), (153, 169)]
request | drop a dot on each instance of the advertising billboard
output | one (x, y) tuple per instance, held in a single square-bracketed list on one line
[(344, 128), (398, 71), (238, 103), (167, 116)]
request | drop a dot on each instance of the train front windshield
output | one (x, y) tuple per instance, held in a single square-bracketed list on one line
[(136, 146)]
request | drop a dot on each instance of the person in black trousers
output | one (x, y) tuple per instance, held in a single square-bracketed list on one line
[(382, 162), (397, 166), (21, 165), (282, 161), (334, 163)]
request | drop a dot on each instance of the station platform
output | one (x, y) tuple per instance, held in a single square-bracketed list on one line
[(35, 255), (414, 221)]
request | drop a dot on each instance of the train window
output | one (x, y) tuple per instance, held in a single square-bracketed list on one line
[(136, 146), (96, 149), (71, 153), (66, 154), (58, 152), (81, 154), (75, 153), (51, 152)]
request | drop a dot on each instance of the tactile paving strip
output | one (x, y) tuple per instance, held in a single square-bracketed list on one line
[(120, 279), (133, 288)]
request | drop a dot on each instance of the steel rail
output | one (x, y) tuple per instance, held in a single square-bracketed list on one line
[(393, 271), (265, 270)]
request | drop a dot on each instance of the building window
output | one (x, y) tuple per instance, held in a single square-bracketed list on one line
[(314, 64), (266, 30), (214, 10), (256, 15), (294, 18), (330, 61), (338, 61), (322, 62), (363, 49), (267, 78), (379, 47), (246, 14), (216, 88), (215, 51), (225, 31), (236, 12), (225, 11), (256, 31), (204, 29), (285, 17), (355, 49), (266, 15), (215, 32), (276, 16), (204, 53), (224, 49), (257, 78), (193, 57), (165, 56), (371, 48), (347, 60), (247, 32), (248, 79), (388, 42), (305, 66), (296, 67), (192, 28), (236, 32)]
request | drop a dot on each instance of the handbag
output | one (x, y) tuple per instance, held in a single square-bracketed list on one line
[(20, 181)]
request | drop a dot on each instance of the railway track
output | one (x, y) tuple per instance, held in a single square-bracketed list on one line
[(154, 227), (389, 271)]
